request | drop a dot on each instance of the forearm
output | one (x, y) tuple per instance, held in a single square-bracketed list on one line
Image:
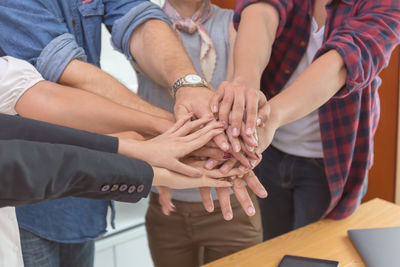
[(254, 40), (85, 76), (314, 87), (159, 53), (86, 111)]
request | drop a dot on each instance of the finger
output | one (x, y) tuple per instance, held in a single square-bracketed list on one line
[(222, 142), (227, 166), (263, 113), (251, 111), (217, 174), (202, 140), (242, 159), (203, 131), (190, 126), (210, 164), (180, 111), (235, 143), (208, 203), (165, 200), (210, 182), (237, 112), (250, 140), (225, 203), (217, 97), (254, 184), (185, 169), (225, 107), (212, 153), (243, 197), (179, 123), (249, 151)]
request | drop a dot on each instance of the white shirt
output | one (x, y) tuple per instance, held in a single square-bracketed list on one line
[(303, 137), (16, 76)]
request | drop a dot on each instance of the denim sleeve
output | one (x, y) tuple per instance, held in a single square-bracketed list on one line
[(57, 54), (123, 27), (29, 31)]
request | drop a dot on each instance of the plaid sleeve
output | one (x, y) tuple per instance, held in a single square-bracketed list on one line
[(366, 42), (283, 7)]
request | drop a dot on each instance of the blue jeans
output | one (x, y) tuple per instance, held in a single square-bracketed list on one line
[(39, 252), (298, 191)]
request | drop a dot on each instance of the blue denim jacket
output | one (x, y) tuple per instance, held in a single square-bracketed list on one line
[(49, 34)]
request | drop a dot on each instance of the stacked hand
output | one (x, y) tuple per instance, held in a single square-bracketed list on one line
[(240, 111)]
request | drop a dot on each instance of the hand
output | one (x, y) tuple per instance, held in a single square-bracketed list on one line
[(240, 192), (240, 102), (164, 177), (196, 100), (164, 198), (165, 193), (128, 135), (166, 149)]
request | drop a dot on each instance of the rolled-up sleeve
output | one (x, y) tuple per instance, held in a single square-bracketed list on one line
[(366, 42), (282, 6), (16, 77), (123, 27), (56, 56), (31, 32)]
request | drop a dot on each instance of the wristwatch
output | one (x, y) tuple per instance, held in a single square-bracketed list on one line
[(192, 80)]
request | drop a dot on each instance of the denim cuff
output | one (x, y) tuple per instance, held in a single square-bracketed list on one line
[(57, 54), (123, 27)]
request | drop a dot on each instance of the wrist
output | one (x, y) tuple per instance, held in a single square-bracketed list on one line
[(130, 148), (249, 81), (159, 176)]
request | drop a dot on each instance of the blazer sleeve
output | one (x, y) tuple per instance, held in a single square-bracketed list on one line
[(18, 128), (32, 172)]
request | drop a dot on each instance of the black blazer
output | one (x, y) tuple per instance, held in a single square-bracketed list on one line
[(32, 171)]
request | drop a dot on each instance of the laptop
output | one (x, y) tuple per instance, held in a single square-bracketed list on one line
[(379, 247)]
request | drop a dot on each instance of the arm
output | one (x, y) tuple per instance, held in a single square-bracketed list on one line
[(19, 128), (83, 110), (256, 34), (79, 74), (350, 59), (69, 171)]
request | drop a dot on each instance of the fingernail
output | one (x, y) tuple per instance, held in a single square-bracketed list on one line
[(258, 122), (225, 124), (251, 211), (209, 164), (254, 141), (250, 148), (243, 168), (256, 137), (262, 192), (235, 132), (210, 208), (236, 148), (253, 163), (214, 109), (228, 216), (225, 146), (227, 155), (249, 131), (224, 168)]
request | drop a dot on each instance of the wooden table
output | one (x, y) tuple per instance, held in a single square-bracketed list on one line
[(325, 239)]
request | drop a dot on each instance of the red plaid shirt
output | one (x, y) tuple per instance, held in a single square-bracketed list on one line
[(364, 33)]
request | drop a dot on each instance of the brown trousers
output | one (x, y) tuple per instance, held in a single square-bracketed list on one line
[(191, 236)]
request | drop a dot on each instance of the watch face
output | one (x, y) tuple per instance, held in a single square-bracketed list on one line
[(192, 78)]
